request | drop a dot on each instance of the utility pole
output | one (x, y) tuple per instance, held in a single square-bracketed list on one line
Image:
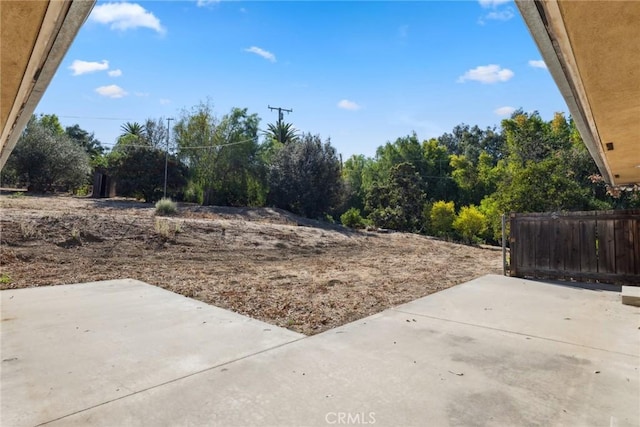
[(166, 157), (280, 110)]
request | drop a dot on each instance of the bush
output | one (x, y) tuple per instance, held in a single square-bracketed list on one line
[(490, 209), (304, 177), (470, 223), (166, 207), (352, 218), (46, 161), (442, 216)]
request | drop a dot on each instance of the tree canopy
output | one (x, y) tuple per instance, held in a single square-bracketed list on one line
[(454, 186)]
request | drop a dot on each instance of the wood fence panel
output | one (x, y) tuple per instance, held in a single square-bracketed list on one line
[(588, 246), (636, 247), (572, 246), (624, 247), (606, 250), (542, 244), (603, 245), (556, 246)]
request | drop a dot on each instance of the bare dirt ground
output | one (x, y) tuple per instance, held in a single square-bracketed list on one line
[(266, 263)]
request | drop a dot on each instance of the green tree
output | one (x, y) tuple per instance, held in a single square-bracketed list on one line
[(156, 133), (492, 212), (548, 167), (139, 172), (223, 156), (86, 140), (51, 122), (468, 141), (398, 203), (357, 176), (531, 139), (437, 176), (46, 160), (304, 177)]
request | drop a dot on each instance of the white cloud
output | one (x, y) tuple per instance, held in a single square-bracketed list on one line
[(498, 15), (115, 73), (202, 3), (537, 63), (345, 104), (261, 52), (124, 16), (165, 101), (111, 91), (492, 3), (487, 74), (504, 111), (84, 67)]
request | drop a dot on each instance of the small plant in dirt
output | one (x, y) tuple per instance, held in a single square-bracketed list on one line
[(5, 279), (75, 233), (163, 228), (29, 231), (166, 207), (167, 229), (16, 195)]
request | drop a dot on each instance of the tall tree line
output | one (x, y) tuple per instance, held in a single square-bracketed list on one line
[(456, 185)]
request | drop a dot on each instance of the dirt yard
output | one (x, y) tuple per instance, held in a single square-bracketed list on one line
[(296, 273)]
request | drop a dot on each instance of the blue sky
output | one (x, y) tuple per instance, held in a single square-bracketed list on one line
[(361, 73)]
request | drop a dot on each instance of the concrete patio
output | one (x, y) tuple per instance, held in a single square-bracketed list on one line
[(493, 351)]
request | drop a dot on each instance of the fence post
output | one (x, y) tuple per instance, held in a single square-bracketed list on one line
[(504, 245)]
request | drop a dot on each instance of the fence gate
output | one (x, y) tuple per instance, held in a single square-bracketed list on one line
[(597, 245)]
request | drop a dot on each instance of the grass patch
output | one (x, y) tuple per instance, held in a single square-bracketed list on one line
[(165, 207), (29, 231), (167, 229), (5, 279)]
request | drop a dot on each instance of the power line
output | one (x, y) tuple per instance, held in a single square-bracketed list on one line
[(96, 118), (195, 147)]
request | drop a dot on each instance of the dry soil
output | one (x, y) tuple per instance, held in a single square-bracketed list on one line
[(266, 263)]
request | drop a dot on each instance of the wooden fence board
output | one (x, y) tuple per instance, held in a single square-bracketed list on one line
[(557, 253), (588, 247), (607, 250)]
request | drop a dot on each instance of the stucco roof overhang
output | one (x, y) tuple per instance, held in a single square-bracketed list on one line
[(34, 37), (592, 49)]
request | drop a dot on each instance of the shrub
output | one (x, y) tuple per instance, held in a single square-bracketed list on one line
[(470, 223), (166, 207), (490, 209), (352, 218), (46, 161), (388, 217), (442, 216), (304, 177)]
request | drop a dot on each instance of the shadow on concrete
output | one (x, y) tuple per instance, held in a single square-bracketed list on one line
[(593, 286)]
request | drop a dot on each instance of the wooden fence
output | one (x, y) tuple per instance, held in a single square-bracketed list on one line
[(598, 245)]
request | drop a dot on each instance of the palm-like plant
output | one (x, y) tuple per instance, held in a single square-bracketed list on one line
[(133, 134), (282, 132), (134, 129)]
